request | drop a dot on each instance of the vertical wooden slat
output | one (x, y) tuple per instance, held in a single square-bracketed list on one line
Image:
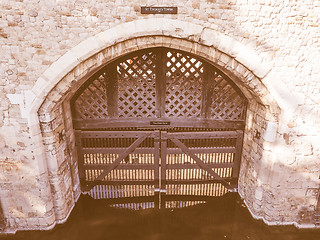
[(156, 157), (160, 82), (206, 91), (79, 146), (237, 158), (163, 165)]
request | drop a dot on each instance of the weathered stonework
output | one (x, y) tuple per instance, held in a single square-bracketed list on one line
[(48, 50)]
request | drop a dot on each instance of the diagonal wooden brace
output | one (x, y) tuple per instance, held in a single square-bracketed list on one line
[(186, 150), (126, 153)]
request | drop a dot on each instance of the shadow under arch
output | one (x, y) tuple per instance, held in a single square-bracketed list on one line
[(50, 114)]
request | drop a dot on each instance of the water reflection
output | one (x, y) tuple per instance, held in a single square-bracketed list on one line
[(219, 218)]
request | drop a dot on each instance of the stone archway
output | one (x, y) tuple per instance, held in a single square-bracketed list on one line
[(54, 138)]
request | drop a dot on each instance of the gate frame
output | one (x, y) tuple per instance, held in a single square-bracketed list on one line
[(160, 151)]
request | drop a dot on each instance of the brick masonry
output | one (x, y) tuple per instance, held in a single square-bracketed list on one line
[(48, 50)]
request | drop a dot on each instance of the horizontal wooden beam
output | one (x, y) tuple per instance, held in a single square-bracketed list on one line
[(106, 150), (188, 197), (99, 150), (164, 197), (128, 166), (148, 123), (203, 135), (123, 200), (203, 150), (119, 182), (195, 166), (116, 134), (191, 181)]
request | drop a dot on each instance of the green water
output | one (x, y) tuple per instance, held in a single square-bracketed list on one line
[(220, 218)]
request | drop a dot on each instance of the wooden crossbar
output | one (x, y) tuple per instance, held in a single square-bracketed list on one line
[(121, 157), (198, 161)]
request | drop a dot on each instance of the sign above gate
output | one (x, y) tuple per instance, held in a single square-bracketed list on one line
[(159, 10), (159, 123)]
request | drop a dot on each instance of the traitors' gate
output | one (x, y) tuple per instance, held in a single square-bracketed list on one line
[(157, 126)]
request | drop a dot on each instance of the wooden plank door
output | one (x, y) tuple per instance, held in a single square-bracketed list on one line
[(119, 163), (159, 164), (200, 163)]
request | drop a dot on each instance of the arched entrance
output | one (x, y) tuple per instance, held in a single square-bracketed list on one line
[(51, 119), (159, 122)]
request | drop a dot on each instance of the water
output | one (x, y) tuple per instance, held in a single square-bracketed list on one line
[(220, 218)]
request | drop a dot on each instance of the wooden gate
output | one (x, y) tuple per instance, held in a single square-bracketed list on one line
[(122, 164), (159, 122), (157, 166)]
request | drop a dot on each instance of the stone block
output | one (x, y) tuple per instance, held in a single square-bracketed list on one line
[(22, 223), (175, 43), (110, 36), (259, 194), (286, 98), (146, 27), (186, 46), (86, 49), (16, 98), (11, 223), (47, 222), (32, 223), (251, 60), (40, 159), (210, 37), (256, 207), (62, 66), (52, 163), (271, 132), (49, 205)]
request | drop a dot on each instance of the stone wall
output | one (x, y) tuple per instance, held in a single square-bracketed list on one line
[(49, 48)]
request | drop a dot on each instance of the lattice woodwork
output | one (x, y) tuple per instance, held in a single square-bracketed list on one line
[(225, 103), (184, 78), (160, 83), (137, 86), (92, 103)]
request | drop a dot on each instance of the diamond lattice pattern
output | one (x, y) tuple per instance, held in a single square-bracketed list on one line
[(226, 103), (137, 86), (92, 103), (184, 77), (184, 83)]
